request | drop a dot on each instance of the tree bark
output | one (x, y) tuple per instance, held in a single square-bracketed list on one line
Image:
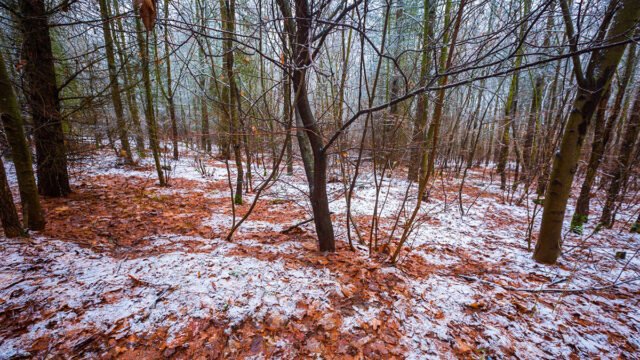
[(418, 145), (113, 82), (128, 82), (601, 139), (8, 214), (42, 96), (169, 93), (529, 152), (227, 12), (600, 70), (152, 128), (32, 213), (300, 43), (620, 173)]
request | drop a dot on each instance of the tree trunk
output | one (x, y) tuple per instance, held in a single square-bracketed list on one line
[(286, 84), (8, 214), (620, 173), (42, 96), (128, 81), (601, 68), (113, 82), (418, 137), (32, 213), (511, 107), (169, 93), (600, 140), (446, 59), (528, 153), (318, 187), (152, 128), (227, 12)]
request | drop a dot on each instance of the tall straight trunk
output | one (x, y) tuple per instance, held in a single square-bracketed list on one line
[(602, 66), (446, 60), (128, 81), (511, 106), (621, 170), (432, 131), (32, 213), (205, 141), (152, 128), (113, 82), (169, 92), (286, 84), (601, 138), (418, 145), (422, 185), (227, 12), (205, 137), (529, 151), (505, 126), (8, 214), (339, 107), (390, 123), (42, 96)]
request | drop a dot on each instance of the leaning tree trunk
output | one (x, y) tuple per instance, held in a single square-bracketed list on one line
[(601, 139), (32, 213), (620, 173), (600, 70), (8, 214), (41, 92)]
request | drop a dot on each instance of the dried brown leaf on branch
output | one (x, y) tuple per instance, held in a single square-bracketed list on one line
[(147, 10)]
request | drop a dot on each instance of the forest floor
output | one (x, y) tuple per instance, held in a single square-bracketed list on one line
[(126, 268)]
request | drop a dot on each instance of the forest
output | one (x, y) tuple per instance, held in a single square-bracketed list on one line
[(326, 179)]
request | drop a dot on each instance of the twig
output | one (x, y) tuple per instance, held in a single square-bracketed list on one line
[(295, 226), (547, 290)]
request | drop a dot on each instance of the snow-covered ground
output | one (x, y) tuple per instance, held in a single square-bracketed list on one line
[(466, 286)]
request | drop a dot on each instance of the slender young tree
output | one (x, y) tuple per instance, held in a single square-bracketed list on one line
[(152, 127), (113, 82), (592, 84), (169, 95), (129, 80), (511, 105), (32, 213), (446, 59), (418, 138), (228, 16), (300, 42)]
